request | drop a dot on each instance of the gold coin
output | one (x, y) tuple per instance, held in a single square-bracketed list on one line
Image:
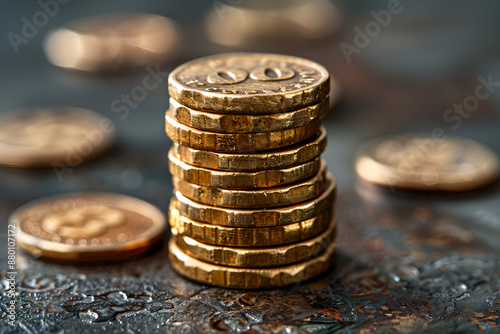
[(248, 278), (110, 42), (257, 217), (53, 137), (249, 83), (276, 159), (241, 180), (248, 236), (239, 123), (237, 142), (88, 226), (255, 198), (427, 162), (257, 256)]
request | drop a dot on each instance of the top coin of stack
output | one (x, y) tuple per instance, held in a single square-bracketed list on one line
[(253, 202)]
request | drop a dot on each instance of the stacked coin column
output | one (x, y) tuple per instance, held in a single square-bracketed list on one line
[(253, 201)]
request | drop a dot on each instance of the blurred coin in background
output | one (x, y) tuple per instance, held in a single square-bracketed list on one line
[(427, 162), (277, 24), (55, 137), (111, 42)]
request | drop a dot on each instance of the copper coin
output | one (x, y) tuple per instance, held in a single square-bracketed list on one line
[(88, 226)]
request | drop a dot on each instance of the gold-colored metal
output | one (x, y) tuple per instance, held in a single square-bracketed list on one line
[(255, 198), (239, 123), (257, 217), (241, 180), (88, 227), (249, 83), (276, 159), (111, 42), (58, 137), (424, 162), (237, 142), (255, 257), (248, 278), (248, 236)]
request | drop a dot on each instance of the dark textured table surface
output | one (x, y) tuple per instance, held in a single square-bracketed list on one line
[(407, 261)]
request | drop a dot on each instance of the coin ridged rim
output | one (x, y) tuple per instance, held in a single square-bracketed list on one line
[(237, 142), (259, 103), (88, 252), (248, 236), (280, 158), (241, 180), (257, 217), (239, 123), (256, 198), (256, 256), (386, 175), (248, 278)]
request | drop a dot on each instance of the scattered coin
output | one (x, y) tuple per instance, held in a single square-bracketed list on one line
[(51, 137), (424, 162), (111, 42), (88, 227)]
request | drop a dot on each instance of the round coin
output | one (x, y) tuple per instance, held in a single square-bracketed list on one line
[(257, 257), (257, 217), (241, 180), (88, 227), (111, 42), (248, 236), (276, 159), (426, 162), (239, 123), (237, 142), (258, 198), (249, 83), (54, 137), (248, 278)]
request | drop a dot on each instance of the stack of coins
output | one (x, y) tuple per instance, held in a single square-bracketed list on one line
[(253, 201)]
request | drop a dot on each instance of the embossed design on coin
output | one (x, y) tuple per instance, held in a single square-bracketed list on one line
[(88, 226), (249, 83), (421, 161)]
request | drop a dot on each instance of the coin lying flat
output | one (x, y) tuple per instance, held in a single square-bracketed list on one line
[(255, 256), (237, 142), (420, 161), (241, 180), (111, 42), (276, 159), (47, 137), (239, 123), (88, 226), (248, 236), (249, 83), (257, 217), (248, 278), (255, 198)]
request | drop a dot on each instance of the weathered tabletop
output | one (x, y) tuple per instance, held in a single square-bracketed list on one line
[(407, 261)]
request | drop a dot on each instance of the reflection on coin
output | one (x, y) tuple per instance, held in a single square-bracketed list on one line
[(272, 24), (255, 198), (241, 180), (88, 226), (237, 142), (257, 217), (255, 256), (279, 158), (248, 278), (239, 123), (426, 162), (248, 236), (110, 42), (249, 83), (53, 137)]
